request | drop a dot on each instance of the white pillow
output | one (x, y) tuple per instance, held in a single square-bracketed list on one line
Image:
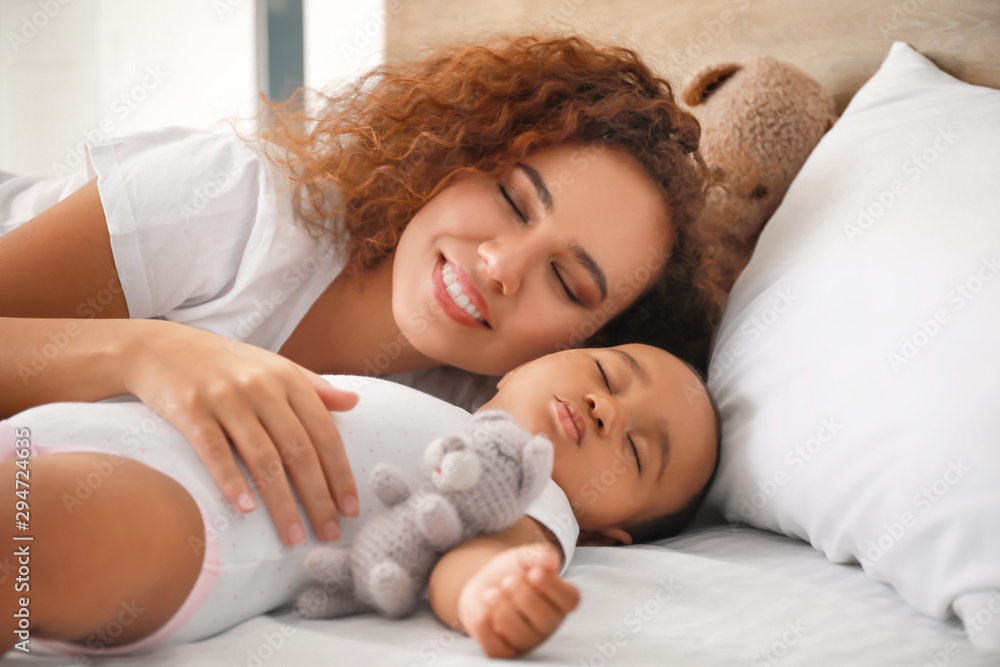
[(857, 365)]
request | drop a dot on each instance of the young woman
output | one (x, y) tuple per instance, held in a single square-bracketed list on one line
[(476, 209)]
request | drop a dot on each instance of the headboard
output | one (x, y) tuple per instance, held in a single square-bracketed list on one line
[(839, 42)]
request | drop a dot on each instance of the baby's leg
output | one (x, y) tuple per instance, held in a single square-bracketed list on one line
[(127, 543)]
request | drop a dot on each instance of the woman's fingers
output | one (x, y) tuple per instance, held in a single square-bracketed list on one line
[(275, 412), (329, 447), (263, 459), (333, 397), (301, 454), (294, 433), (209, 440)]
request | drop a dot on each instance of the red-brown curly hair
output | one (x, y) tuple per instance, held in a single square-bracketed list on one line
[(383, 146)]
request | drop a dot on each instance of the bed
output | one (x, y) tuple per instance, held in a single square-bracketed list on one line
[(715, 596), (833, 560)]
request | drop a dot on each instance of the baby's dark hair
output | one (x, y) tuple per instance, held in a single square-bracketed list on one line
[(669, 525)]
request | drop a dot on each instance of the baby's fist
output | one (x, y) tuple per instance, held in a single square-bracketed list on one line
[(517, 600)]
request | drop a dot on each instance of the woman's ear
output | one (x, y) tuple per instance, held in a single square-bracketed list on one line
[(603, 537)]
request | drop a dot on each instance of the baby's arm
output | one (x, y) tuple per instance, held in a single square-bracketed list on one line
[(503, 589)]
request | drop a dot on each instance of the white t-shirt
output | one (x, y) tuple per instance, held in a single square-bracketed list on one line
[(200, 233), (203, 233)]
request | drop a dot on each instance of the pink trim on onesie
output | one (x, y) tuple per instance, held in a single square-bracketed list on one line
[(206, 578)]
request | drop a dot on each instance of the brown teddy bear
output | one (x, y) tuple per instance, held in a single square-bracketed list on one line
[(760, 120)]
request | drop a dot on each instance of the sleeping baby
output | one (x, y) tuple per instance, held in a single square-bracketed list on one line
[(635, 437)]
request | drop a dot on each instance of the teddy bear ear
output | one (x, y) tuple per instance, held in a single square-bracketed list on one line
[(705, 81)]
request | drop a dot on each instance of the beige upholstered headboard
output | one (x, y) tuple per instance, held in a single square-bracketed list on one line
[(839, 42)]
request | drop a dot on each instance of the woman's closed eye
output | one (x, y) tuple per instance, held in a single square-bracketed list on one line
[(511, 204), (607, 383), (524, 220)]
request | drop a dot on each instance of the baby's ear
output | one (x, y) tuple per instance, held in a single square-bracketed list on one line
[(705, 81), (603, 537)]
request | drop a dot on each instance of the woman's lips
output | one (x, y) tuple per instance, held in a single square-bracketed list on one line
[(571, 420), (447, 304), (470, 290)]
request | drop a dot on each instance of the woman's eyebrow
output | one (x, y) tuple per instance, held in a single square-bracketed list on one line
[(584, 258), (541, 189)]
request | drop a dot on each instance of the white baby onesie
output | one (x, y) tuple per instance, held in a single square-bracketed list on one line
[(247, 570)]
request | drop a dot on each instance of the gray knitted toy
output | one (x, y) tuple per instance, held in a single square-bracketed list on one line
[(480, 479)]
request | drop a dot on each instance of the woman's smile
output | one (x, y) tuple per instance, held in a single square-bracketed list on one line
[(457, 295), (518, 289)]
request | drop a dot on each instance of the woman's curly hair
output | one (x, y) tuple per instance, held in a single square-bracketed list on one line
[(380, 148)]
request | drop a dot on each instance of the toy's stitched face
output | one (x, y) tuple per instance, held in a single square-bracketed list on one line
[(452, 465), (482, 461), (495, 500), (506, 457)]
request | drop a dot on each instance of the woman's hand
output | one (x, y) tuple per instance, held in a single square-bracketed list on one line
[(516, 601), (276, 413)]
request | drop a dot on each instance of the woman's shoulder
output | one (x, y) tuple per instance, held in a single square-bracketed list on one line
[(209, 160)]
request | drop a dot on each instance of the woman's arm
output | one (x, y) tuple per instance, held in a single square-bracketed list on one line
[(58, 359), (60, 265), (64, 332), (503, 589)]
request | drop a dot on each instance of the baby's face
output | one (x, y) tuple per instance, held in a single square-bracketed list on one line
[(633, 429)]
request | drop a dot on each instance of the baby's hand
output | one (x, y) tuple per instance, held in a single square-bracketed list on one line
[(517, 600)]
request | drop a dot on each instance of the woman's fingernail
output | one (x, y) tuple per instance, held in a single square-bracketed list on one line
[(349, 506), (296, 534), (331, 530), (246, 502)]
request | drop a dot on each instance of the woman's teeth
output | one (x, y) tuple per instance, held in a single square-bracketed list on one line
[(460, 298)]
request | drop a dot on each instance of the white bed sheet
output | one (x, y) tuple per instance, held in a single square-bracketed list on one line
[(716, 596)]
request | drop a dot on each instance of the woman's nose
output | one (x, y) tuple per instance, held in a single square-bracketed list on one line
[(506, 262)]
